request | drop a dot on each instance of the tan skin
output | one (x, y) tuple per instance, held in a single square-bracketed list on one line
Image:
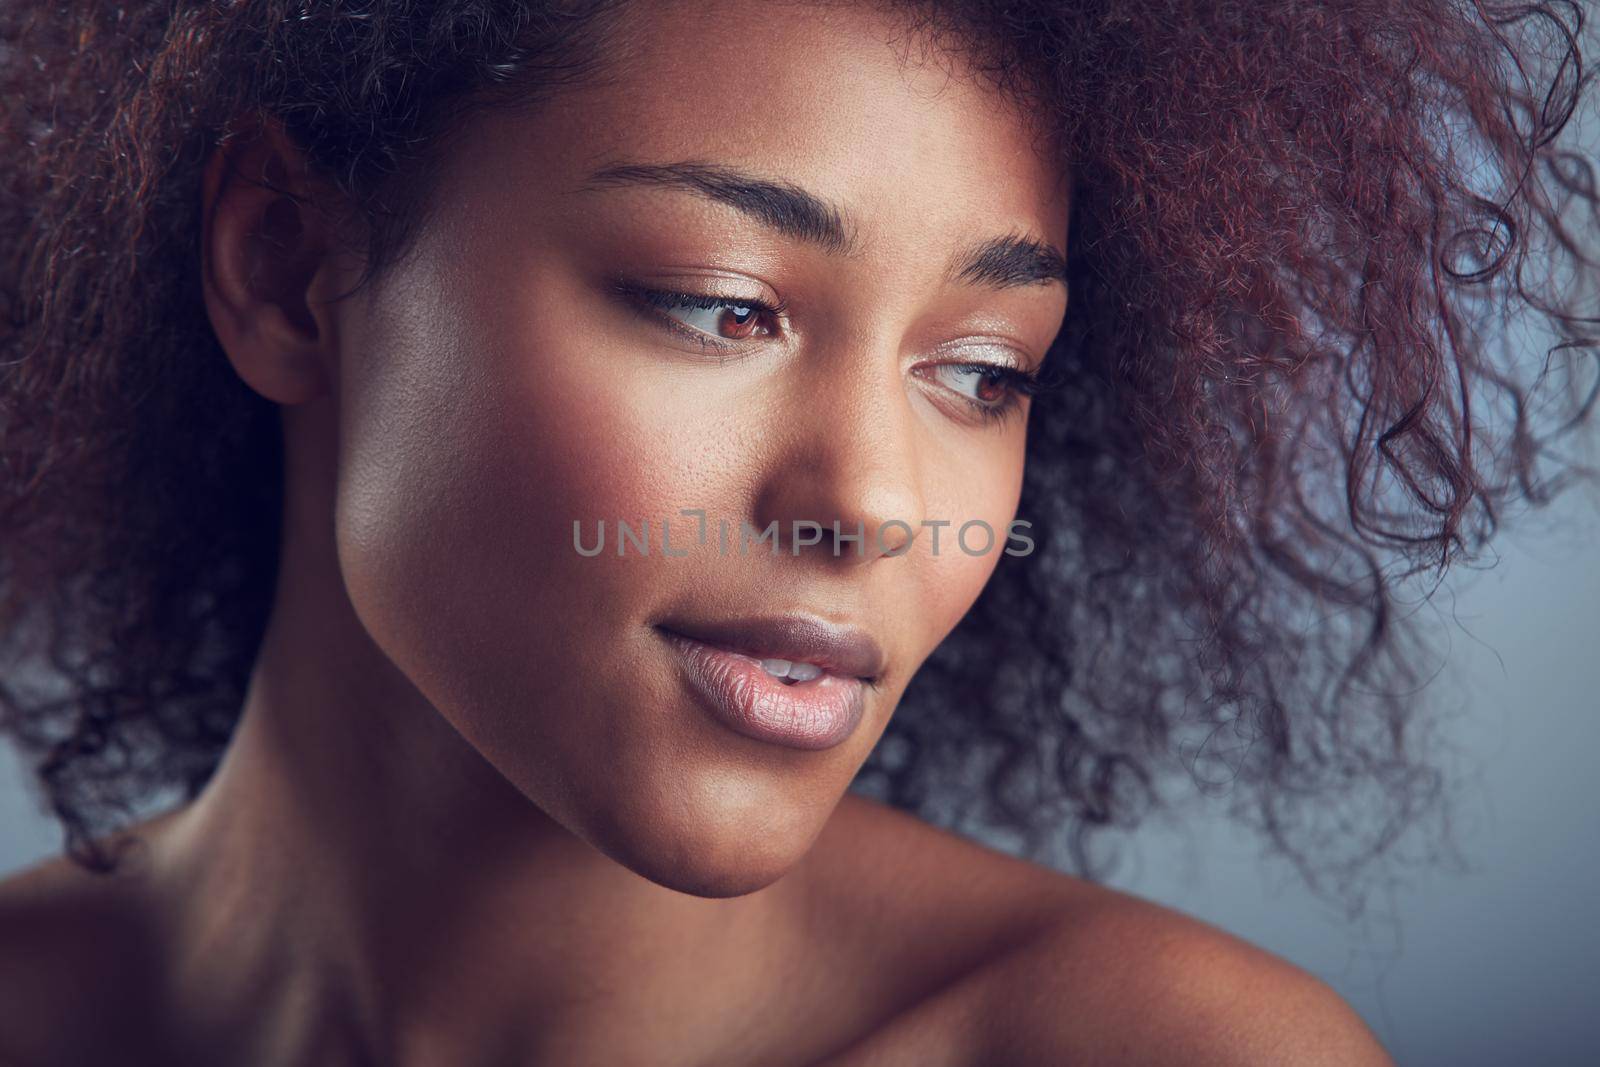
[(470, 815)]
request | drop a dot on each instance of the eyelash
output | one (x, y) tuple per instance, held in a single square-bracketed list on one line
[(668, 300), (1019, 383)]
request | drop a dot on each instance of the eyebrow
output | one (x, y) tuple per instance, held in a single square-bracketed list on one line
[(1004, 262)]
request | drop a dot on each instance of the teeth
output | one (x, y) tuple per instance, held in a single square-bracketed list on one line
[(787, 669)]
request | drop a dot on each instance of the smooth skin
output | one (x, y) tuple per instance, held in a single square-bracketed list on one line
[(471, 814)]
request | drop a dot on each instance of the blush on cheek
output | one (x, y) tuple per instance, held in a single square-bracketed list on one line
[(589, 461), (959, 580), (953, 579)]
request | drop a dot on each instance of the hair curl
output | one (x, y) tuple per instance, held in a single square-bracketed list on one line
[(1306, 242)]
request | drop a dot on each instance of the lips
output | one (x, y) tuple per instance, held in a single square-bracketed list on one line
[(840, 650), (722, 662)]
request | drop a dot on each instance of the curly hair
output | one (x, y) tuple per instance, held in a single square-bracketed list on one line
[(1308, 244)]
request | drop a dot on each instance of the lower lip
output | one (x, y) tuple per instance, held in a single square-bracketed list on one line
[(815, 714)]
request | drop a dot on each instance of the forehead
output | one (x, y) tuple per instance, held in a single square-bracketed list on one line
[(838, 99)]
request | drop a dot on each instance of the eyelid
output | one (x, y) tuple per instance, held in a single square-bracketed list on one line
[(660, 299), (1020, 384), (1018, 358)]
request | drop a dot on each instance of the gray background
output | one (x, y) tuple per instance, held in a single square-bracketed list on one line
[(1496, 963), (1494, 960)]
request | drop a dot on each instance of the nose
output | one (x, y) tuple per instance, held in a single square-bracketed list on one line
[(848, 456)]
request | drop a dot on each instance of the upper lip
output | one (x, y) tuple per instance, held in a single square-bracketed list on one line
[(836, 648)]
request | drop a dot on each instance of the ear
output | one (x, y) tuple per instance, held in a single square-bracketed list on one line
[(267, 267)]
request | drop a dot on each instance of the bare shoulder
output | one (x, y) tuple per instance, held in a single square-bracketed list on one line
[(1060, 970), (1117, 979), (75, 961)]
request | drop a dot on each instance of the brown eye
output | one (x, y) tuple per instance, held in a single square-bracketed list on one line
[(989, 391), (737, 322), (988, 385), (719, 317)]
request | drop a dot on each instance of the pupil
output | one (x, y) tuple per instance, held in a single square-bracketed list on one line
[(741, 315)]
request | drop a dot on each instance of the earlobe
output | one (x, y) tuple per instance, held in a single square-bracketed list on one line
[(264, 246)]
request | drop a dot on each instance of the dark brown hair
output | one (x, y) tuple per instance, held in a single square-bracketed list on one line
[(1313, 249)]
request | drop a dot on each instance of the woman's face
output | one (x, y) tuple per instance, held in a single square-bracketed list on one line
[(517, 375)]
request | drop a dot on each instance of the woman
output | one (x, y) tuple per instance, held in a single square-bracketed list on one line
[(504, 464)]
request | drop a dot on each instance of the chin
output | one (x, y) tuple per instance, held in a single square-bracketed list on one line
[(712, 850), (709, 880)]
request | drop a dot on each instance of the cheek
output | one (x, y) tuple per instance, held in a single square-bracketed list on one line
[(475, 430), (479, 425), (979, 483)]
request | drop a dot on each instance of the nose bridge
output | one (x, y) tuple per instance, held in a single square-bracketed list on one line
[(850, 455)]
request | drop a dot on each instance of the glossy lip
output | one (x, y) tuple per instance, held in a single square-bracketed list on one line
[(841, 650), (732, 684)]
